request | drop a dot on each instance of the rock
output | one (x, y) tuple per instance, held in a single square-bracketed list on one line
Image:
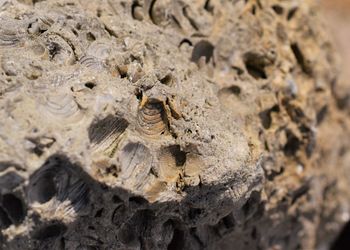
[(169, 125)]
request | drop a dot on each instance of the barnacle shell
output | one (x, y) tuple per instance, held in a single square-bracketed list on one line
[(105, 134), (12, 32), (152, 118)]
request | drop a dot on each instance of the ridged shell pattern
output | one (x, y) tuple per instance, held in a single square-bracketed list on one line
[(105, 134), (152, 119), (57, 188)]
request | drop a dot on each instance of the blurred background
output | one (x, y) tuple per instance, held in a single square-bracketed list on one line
[(337, 18)]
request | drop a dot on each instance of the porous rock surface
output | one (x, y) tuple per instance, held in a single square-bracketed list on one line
[(165, 124)]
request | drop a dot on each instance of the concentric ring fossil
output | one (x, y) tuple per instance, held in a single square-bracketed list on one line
[(92, 62), (152, 117), (135, 161), (61, 105)]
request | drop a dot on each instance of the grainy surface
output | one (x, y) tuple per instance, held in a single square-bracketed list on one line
[(169, 125)]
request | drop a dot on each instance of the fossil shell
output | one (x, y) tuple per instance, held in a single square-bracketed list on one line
[(60, 51), (135, 160), (12, 32), (61, 106), (92, 62), (171, 161), (99, 50), (105, 134), (152, 118), (58, 185), (192, 169), (96, 55)]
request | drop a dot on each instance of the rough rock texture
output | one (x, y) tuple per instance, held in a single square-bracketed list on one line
[(169, 125)]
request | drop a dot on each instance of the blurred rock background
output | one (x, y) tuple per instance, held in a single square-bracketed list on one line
[(337, 18)]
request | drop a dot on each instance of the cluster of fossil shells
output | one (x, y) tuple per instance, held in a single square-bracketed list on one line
[(144, 157)]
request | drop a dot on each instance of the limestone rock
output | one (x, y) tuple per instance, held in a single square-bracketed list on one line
[(168, 124)]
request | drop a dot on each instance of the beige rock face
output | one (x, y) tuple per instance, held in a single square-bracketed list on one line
[(169, 125)]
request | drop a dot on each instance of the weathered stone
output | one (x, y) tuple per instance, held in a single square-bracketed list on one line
[(169, 125)]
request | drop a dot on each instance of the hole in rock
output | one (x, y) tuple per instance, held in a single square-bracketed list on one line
[(61, 179), (14, 207), (202, 49), (277, 9), (138, 200), (321, 114), (99, 213), (229, 221), (342, 242), (291, 13), (167, 80), (49, 231), (265, 116), (5, 221), (293, 144), (252, 204), (90, 85), (180, 156), (178, 240), (43, 187), (194, 213), (90, 37), (300, 58), (255, 65)]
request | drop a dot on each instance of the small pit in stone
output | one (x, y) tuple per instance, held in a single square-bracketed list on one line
[(293, 144), (299, 56), (167, 79), (49, 231), (278, 9), (90, 37), (291, 13), (255, 65), (202, 49), (178, 240), (90, 85), (178, 154), (44, 188), (265, 116), (14, 208)]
